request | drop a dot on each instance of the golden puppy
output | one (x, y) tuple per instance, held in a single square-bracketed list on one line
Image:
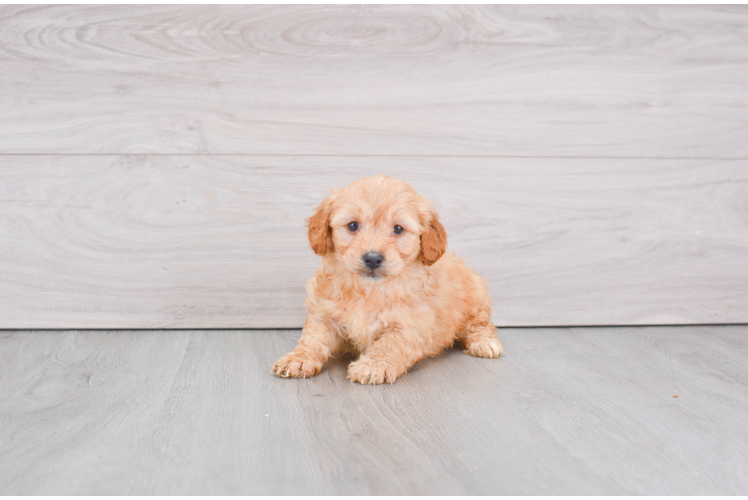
[(385, 289)]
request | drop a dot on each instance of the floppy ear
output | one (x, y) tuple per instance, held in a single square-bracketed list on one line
[(433, 241), (320, 237)]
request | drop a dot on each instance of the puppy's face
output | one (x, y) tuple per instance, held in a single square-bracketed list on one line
[(376, 227)]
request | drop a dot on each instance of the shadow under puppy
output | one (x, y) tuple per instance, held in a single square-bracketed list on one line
[(385, 289)]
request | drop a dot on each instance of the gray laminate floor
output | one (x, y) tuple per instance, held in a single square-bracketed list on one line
[(580, 410)]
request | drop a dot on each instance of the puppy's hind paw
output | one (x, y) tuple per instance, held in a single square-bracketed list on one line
[(372, 371), (485, 348), (296, 365)]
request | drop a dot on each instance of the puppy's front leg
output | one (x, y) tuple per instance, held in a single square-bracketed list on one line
[(388, 358), (318, 342)]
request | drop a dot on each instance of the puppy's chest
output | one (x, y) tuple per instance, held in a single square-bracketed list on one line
[(361, 321)]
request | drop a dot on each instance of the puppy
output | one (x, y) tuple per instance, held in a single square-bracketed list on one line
[(385, 290)]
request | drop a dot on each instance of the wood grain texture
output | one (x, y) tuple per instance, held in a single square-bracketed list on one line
[(565, 411), (611, 81), (207, 242)]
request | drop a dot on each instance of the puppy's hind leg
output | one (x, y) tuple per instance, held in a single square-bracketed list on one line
[(479, 336), (318, 342), (480, 341)]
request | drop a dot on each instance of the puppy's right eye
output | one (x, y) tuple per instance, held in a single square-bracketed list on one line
[(353, 226)]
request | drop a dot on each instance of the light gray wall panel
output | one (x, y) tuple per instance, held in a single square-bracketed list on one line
[(219, 241), (633, 81)]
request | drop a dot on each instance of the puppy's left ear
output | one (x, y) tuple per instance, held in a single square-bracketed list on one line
[(320, 237), (433, 240)]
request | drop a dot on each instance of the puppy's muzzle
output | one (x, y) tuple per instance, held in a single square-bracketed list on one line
[(373, 260)]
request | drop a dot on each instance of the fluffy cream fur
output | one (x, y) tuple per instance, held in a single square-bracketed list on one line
[(418, 303)]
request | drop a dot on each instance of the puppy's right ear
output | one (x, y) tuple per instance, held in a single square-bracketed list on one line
[(320, 233), (433, 241)]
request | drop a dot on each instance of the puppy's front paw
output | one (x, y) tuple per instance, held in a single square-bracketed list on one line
[(297, 365), (485, 348), (372, 371)]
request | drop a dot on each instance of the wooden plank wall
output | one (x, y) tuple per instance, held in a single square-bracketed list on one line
[(157, 162)]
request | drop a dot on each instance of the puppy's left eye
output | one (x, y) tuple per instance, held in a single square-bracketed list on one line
[(399, 229)]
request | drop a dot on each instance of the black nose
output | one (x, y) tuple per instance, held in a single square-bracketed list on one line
[(373, 260)]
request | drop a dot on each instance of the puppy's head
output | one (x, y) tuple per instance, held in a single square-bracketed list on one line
[(377, 226)]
